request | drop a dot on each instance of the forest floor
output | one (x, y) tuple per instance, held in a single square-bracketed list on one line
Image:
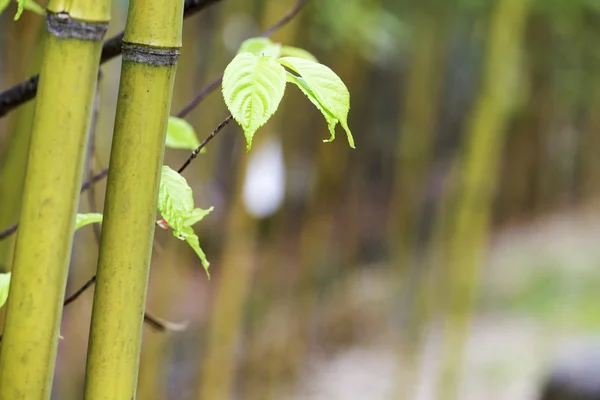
[(538, 300)]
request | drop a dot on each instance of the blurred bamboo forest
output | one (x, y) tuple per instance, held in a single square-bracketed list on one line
[(450, 256)]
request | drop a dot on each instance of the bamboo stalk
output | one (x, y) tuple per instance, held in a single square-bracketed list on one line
[(50, 197), (150, 50), (13, 157), (478, 171)]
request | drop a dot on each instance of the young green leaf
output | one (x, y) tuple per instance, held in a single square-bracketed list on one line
[(4, 286), (253, 87), (31, 5), (176, 205), (291, 51), (303, 86), (197, 215), (192, 240), (326, 87), (260, 47), (181, 135), (20, 8), (175, 201), (82, 220), (28, 5)]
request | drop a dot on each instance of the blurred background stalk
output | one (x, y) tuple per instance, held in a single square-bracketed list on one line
[(477, 175)]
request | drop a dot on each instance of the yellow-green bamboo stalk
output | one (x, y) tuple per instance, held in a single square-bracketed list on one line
[(478, 172), (51, 193), (13, 157), (150, 51)]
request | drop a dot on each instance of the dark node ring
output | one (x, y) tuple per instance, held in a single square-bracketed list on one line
[(159, 56), (63, 26)]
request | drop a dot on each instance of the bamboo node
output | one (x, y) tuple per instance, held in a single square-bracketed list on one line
[(144, 54), (63, 26)]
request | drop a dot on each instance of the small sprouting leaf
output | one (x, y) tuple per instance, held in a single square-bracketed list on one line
[(31, 5), (327, 88), (4, 286), (181, 135), (176, 205), (28, 5), (260, 47), (23, 5), (192, 240), (82, 220), (253, 87), (20, 8), (175, 201), (291, 51), (197, 215)]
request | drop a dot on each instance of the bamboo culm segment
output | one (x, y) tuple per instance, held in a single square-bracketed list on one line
[(147, 76), (51, 194)]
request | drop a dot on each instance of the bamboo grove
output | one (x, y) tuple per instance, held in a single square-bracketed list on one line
[(334, 271)]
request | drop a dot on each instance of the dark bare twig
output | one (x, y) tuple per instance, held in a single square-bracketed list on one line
[(8, 231), (204, 143), (205, 91), (285, 19), (23, 92), (152, 321), (80, 291)]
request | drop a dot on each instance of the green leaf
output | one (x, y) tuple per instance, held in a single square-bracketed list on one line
[(176, 205), (82, 220), (197, 215), (20, 8), (260, 47), (31, 5), (175, 200), (23, 5), (326, 87), (181, 135), (292, 51), (4, 286), (303, 86), (253, 87), (192, 240)]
